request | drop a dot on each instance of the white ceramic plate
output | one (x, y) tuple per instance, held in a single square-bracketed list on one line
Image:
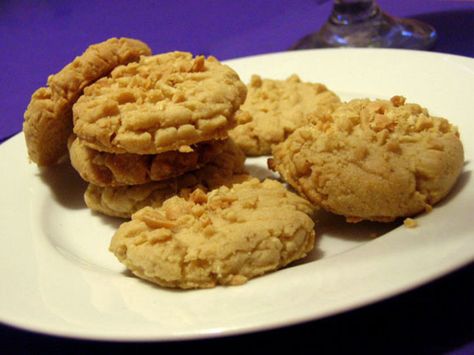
[(59, 278)]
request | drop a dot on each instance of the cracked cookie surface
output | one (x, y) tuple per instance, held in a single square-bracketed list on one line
[(224, 237), (161, 103), (108, 169), (275, 108), (48, 118), (226, 168), (373, 160)]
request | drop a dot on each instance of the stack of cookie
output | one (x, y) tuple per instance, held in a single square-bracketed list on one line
[(155, 128), (139, 128)]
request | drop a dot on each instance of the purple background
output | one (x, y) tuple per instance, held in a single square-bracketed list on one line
[(38, 38)]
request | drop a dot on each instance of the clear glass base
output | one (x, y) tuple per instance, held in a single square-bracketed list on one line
[(377, 29)]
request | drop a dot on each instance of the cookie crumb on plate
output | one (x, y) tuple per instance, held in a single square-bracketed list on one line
[(410, 223)]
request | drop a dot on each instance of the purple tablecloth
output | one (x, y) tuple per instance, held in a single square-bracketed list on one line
[(38, 38)]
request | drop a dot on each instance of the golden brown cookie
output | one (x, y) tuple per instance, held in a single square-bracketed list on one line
[(373, 160), (108, 169), (48, 118), (275, 108), (224, 237), (227, 168), (158, 104)]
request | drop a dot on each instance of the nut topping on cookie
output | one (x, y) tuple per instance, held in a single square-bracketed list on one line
[(158, 104)]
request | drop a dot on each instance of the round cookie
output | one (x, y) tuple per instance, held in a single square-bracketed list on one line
[(108, 169), (275, 108), (224, 237), (48, 118), (161, 103), (225, 169), (373, 160)]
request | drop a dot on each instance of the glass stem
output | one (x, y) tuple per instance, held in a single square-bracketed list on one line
[(347, 12)]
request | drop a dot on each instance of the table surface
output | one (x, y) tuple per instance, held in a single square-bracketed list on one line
[(40, 37)]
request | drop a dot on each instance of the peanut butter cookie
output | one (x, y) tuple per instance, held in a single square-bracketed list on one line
[(275, 108), (48, 118), (224, 237), (226, 168), (108, 169), (161, 103), (373, 160)]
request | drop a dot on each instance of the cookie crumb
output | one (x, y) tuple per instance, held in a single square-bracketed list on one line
[(398, 100), (410, 223)]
